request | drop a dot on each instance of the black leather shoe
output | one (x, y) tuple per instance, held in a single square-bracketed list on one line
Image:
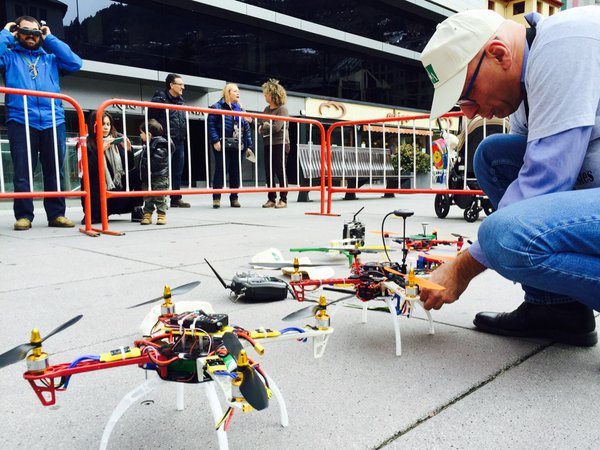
[(568, 323)]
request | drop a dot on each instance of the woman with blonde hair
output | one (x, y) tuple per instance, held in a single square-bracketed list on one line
[(276, 141), (232, 132)]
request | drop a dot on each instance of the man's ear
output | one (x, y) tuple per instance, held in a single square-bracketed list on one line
[(500, 52)]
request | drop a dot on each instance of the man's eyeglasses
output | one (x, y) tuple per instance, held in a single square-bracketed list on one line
[(465, 100), (30, 31), (178, 84)]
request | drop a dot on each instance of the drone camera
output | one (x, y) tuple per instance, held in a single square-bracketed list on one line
[(355, 229)]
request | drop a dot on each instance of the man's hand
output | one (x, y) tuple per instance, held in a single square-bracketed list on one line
[(12, 27), (217, 146), (455, 276), (45, 31)]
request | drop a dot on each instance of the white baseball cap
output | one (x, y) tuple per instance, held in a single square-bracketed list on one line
[(454, 44)]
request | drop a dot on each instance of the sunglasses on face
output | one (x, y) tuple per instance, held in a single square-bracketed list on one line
[(30, 31)]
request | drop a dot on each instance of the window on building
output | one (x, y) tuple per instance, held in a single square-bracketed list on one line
[(176, 40), (552, 10), (491, 5), (539, 7), (518, 8)]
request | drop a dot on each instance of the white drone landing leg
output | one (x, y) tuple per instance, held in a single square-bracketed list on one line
[(396, 320), (319, 344), (431, 330), (283, 415), (217, 412), (215, 408), (151, 384), (364, 312), (130, 398)]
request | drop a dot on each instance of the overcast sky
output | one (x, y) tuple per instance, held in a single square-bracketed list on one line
[(86, 8)]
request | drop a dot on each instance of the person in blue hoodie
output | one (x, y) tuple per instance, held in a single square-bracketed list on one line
[(31, 58), (233, 133)]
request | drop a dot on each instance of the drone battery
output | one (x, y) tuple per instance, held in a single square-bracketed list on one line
[(199, 320)]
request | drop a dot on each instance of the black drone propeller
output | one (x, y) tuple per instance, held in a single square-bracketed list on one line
[(183, 289), (232, 344), (252, 387), (311, 311), (20, 351)]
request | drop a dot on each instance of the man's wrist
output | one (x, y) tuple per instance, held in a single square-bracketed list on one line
[(467, 267)]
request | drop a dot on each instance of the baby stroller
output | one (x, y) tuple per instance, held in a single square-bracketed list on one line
[(472, 204)]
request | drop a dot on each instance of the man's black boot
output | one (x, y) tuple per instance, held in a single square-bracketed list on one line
[(568, 323)]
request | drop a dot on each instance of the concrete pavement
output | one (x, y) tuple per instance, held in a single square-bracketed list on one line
[(457, 388)]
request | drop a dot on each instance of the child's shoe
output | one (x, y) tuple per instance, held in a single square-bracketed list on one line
[(161, 219), (147, 220)]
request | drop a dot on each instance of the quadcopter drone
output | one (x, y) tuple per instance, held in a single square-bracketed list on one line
[(370, 281), (195, 346), (389, 281)]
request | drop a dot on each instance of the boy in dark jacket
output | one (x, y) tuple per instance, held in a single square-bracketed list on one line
[(156, 148)]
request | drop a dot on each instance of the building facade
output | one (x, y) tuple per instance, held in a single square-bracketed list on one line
[(355, 52)]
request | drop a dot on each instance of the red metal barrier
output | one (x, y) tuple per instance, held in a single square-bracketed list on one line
[(83, 146), (106, 194), (332, 190)]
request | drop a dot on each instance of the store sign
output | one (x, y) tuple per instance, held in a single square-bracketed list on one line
[(338, 111)]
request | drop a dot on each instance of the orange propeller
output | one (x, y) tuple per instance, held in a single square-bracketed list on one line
[(421, 282), (386, 233)]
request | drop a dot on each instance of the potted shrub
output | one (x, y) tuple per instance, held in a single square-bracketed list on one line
[(423, 162)]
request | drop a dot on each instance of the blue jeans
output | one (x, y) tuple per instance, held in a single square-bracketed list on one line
[(232, 167), (42, 143), (177, 163), (550, 243)]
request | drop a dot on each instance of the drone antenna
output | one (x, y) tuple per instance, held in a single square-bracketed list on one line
[(357, 212), (217, 275), (404, 214)]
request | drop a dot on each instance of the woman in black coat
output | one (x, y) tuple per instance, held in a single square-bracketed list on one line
[(116, 149)]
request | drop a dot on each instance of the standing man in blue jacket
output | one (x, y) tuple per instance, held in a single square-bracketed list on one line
[(31, 58)]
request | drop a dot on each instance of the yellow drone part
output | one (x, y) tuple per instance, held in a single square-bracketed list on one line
[(37, 361), (215, 364), (261, 334), (36, 338), (345, 285), (245, 406), (120, 353)]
